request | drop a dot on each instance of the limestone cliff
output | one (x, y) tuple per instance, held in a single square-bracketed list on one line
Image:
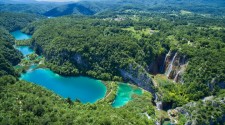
[(138, 75), (194, 111), (174, 65)]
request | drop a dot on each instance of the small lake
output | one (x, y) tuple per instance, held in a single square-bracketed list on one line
[(18, 35), (124, 94), (82, 88), (25, 50)]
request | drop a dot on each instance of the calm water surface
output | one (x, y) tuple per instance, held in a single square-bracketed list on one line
[(83, 88), (124, 94), (18, 35)]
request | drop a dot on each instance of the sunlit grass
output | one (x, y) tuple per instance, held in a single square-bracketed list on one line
[(138, 33)]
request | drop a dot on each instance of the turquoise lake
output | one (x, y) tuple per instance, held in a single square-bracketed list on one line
[(25, 50), (124, 94), (83, 88), (18, 35)]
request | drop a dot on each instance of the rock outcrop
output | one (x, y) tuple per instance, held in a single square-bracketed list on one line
[(156, 66), (174, 65), (138, 75), (190, 114)]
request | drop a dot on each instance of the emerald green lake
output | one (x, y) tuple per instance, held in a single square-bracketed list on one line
[(124, 94), (18, 35), (82, 88)]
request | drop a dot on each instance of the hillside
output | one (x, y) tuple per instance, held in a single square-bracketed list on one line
[(14, 21), (69, 9), (165, 6), (93, 7), (9, 56), (34, 8)]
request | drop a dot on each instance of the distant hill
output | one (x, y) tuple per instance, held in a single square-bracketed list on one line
[(37, 8), (91, 7), (68, 9)]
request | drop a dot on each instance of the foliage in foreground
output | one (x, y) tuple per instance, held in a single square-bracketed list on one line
[(26, 103)]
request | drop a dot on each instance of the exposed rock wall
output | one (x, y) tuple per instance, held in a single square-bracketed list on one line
[(174, 65), (189, 113), (138, 75), (156, 66)]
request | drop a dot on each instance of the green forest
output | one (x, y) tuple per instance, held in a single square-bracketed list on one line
[(9, 57), (139, 46)]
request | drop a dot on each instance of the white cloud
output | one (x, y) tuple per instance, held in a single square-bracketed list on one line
[(59, 0)]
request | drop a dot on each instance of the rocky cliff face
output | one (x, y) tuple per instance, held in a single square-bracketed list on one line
[(191, 109), (138, 75), (156, 66), (174, 65)]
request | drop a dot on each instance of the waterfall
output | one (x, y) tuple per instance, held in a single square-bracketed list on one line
[(157, 123), (159, 105), (171, 65), (164, 63), (156, 97), (146, 114), (175, 78)]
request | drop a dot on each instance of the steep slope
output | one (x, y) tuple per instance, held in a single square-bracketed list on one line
[(14, 21), (9, 56), (210, 110)]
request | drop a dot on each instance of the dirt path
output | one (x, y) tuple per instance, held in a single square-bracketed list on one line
[(108, 93)]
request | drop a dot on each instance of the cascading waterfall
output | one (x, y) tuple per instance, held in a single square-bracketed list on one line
[(171, 65), (175, 78), (158, 102), (164, 63), (159, 105), (157, 123), (156, 97)]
